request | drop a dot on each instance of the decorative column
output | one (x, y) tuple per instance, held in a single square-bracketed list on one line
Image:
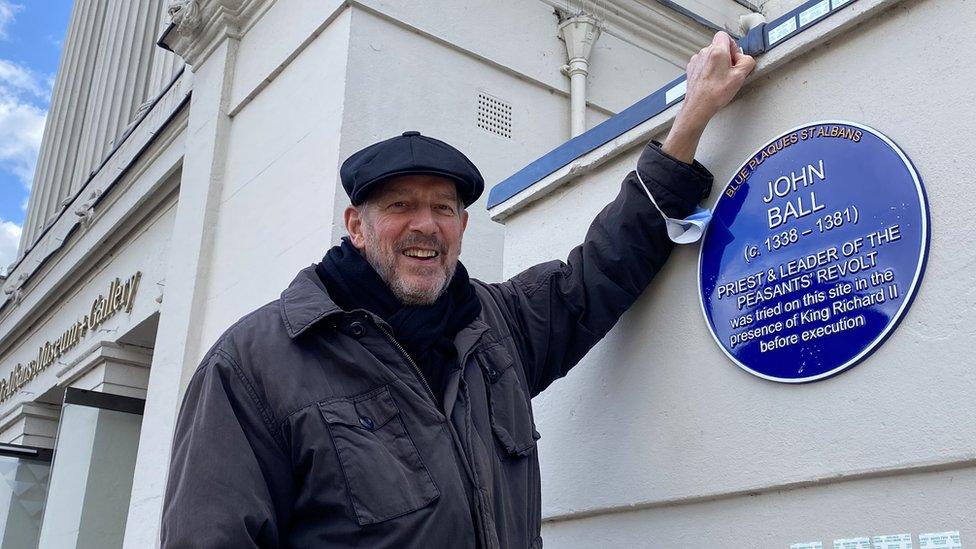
[(120, 79), (69, 101), (89, 493)]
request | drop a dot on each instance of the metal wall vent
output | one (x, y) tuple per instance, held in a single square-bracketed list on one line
[(494, 115)]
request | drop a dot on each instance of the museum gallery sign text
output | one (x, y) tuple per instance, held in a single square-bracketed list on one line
[(120, 296)]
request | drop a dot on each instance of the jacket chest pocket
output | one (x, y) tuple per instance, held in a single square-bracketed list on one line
[(384, 473), (508, 402)]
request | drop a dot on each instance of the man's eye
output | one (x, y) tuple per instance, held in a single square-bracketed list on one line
[(445, 208), (399, 204)]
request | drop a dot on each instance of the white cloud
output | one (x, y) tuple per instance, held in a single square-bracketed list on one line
[(21, 80), (24, 96), (21, 119), (9, 241), (7, 13), (21, 128)]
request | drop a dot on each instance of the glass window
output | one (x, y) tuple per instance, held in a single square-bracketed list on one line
[(25, 473)]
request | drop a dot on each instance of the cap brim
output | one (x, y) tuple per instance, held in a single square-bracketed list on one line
[(463, 186)]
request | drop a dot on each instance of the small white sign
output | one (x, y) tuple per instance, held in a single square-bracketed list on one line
[(807, 545), (814, 11), (782, 30), (852, 543), (894, 541), (677, 92), (940, 540), (838, 3)]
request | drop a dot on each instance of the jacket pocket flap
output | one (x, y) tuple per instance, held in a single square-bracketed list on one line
[(510, 413), (495, 361), (368, 411)]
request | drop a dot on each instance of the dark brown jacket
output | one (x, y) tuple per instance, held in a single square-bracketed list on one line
[(307, 426)]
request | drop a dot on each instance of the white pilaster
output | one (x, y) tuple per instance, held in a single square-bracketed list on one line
[(178, 349)]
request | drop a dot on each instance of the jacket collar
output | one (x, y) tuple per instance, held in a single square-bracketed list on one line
[(305, 302)]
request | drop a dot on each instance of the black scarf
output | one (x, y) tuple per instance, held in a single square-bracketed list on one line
[(425, 331)]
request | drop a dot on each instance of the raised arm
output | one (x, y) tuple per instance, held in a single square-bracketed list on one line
[(559, 310)]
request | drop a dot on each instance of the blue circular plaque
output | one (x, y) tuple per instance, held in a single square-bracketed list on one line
[(815, 251)]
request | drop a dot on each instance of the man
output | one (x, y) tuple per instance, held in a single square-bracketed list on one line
[(385, 399)]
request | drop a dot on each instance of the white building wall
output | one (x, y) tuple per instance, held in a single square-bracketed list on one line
[(621, 73), (776, 8), (275, 208), (657, 440), (521, 37), (911, 503)]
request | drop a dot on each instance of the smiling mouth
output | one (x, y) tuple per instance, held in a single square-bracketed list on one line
[(422, 254)]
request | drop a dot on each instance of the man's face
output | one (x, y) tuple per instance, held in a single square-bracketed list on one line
[(410, 229)]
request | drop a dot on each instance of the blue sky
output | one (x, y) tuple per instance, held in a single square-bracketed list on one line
[(31, 37)]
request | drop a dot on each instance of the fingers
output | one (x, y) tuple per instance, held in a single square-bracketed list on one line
[(720, 46), (722, 54), (715, 75), (733, 45), (745, 64), (736, 51), (727, 45)]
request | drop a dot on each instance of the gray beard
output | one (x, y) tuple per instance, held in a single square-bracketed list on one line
[(405, 295)]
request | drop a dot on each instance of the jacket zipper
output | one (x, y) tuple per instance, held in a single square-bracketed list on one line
[(430, 393), (416, 368)]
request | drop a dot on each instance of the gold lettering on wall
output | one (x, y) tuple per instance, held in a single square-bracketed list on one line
[(119, 297)]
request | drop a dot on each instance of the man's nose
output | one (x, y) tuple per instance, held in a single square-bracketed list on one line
[(423, 221)]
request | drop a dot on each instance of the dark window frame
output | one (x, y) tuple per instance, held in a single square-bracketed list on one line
[(104, 401), (32, 453)]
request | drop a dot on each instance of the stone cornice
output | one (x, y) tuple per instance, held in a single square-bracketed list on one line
[(197, 27), (651, 27)]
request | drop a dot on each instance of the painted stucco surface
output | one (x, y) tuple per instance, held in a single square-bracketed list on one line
[(656, 415), (909, 504), (280, 179)]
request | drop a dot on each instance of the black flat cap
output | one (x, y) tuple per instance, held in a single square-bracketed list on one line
[(410, 153)]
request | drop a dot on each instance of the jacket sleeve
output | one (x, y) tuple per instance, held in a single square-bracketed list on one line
[(559, 310), (229, 478)]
